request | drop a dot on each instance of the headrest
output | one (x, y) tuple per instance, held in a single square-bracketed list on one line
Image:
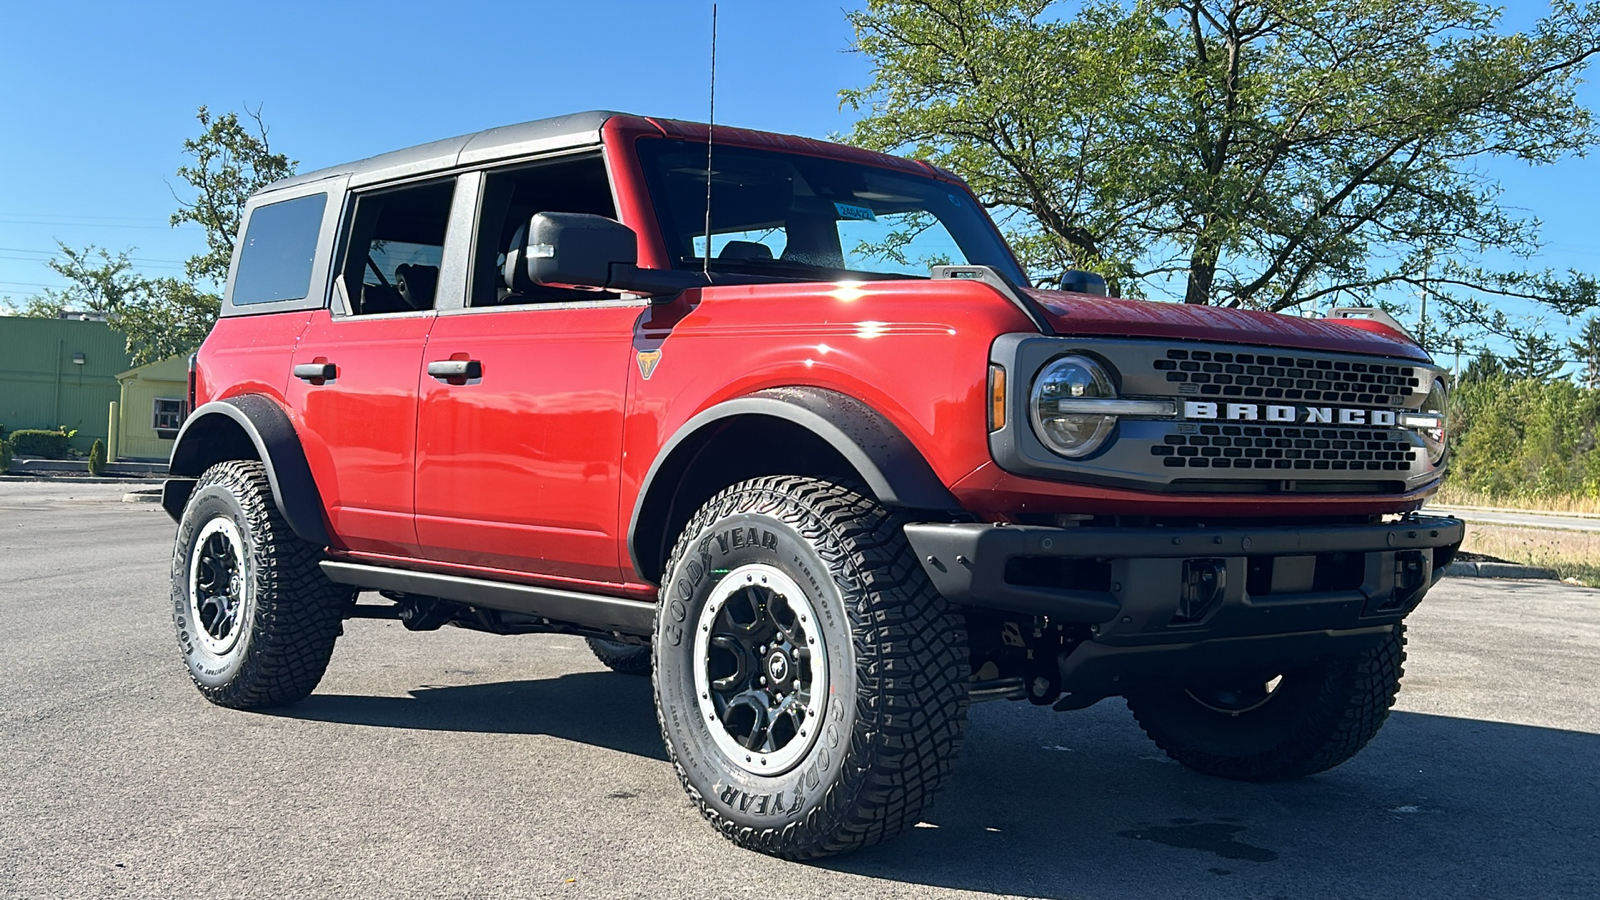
[(745, 250), (417, 284), (515, 272)]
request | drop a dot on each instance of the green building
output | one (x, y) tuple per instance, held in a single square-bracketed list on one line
[(56, 372)]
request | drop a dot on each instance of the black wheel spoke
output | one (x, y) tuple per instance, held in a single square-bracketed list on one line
[(216, 600), (758, 666)]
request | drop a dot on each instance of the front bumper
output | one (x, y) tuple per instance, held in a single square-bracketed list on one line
[(1188, 582)]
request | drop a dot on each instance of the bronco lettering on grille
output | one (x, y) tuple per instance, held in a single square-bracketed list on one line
[(1311, 415)]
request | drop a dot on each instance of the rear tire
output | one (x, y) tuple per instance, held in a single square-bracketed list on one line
[(1313, 719), (628, 659), (256, 619), (810, 682)]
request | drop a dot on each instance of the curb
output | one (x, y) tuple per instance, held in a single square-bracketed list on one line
[(75, 479), (1497, 570)]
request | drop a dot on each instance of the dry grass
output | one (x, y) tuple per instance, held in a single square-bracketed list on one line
[(1452, 496), (1573, 554)]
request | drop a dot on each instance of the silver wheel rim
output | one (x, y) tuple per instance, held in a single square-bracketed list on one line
[(217, 586), (760, 669)]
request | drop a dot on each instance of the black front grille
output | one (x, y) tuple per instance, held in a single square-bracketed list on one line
[(1209, 373), (1267, 447)]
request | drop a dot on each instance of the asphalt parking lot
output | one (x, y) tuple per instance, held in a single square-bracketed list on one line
[(456, 764)]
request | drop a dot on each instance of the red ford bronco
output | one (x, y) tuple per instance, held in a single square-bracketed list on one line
[(783, 425)]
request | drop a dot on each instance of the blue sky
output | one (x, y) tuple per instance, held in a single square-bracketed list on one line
[(96, 98)]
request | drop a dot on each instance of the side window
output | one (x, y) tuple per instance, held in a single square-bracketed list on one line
[(395, 245), (279, 245), (510, 198)]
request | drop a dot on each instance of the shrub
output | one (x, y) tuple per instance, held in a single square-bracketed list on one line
[(5, 455), (37, 442), (97, 458)]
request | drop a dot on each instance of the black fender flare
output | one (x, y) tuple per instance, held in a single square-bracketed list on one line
[(266, 426), (892, 467)]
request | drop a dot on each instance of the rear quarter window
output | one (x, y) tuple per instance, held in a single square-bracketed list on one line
[(280, 243)]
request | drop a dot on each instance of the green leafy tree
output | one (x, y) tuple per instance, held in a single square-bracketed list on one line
[(230, 160), (171, 317), (1586, 347), (1536, 356), (99, 283), (1483, 367), (1262, 153)]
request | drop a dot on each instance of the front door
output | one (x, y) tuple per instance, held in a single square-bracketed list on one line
[(518, 466), (519, 436)]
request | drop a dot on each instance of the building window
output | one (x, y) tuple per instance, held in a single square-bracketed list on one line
[(168, 418)]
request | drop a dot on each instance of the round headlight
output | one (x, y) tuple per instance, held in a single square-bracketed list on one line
[(1070, 378), (1435, 437)]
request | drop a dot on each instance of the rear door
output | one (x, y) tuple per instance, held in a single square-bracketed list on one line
[(520, 421), (356, 368)]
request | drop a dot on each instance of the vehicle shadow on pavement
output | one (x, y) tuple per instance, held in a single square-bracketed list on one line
[(1083, 806), (603, 709)]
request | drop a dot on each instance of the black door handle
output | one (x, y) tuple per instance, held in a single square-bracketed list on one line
[(316, 373), (455, 371)]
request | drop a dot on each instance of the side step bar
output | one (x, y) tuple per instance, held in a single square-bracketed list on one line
[(635, 617)]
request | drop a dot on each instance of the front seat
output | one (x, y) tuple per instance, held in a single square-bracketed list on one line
[(813, 240), (745, 250)]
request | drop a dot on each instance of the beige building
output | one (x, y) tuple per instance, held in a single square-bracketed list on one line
[(151, 410)]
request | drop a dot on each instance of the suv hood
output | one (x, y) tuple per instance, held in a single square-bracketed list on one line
[(1087, 314)]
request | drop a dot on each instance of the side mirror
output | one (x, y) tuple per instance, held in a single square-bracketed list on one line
[(580, 250), (1082, 282)]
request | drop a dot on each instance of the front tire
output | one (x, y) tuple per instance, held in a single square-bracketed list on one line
[(1307, 721), (256, 619), (809, 681)]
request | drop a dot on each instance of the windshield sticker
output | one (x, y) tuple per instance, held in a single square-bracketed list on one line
[(857, 213), (954, 200)]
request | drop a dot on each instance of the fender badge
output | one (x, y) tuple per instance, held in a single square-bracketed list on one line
[(647, 362)]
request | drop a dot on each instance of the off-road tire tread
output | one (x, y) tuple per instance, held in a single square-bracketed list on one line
[(299, 612), (633, 660), (1353, 702), (911, 649)]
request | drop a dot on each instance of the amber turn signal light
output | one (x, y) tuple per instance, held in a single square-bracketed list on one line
[(997, 398)]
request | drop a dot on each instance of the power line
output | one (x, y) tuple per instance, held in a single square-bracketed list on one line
[(94, 225), (58, 251), (28, 215)]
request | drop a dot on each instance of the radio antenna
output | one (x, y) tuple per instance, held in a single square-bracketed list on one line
[(711, 122)]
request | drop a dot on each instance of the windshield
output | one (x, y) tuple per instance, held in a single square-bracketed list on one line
[(807, 217)]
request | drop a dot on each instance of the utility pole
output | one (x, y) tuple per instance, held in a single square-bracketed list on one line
[(1422, 319)]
